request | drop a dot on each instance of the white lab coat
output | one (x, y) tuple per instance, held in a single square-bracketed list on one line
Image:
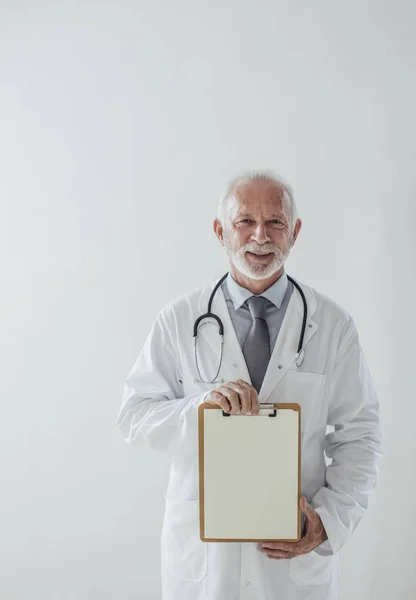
[(333, 387)]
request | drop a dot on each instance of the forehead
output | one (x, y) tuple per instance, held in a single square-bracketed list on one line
[(257, 197)]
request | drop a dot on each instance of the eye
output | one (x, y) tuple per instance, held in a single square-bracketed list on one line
[(276, 221)]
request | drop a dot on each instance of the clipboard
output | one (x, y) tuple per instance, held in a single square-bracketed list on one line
[(250, 474)]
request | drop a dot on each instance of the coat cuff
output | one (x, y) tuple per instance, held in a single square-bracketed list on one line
[(331, 545)]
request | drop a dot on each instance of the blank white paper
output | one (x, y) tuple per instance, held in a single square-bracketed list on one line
[(251, 475)]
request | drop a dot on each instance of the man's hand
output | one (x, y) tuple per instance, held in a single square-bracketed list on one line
[(235, 397), (314, 536)]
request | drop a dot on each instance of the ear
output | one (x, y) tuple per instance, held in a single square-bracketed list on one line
[(295, 234), (219, 232)]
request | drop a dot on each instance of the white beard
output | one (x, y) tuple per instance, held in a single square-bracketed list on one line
[(259, 271)]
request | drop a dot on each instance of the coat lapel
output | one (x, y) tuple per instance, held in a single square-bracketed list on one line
[(234, 365), (285, 349)]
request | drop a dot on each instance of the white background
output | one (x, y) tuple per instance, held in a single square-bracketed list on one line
[(120, 123)]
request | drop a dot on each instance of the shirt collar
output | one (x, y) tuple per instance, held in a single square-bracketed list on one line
[(275, 293)]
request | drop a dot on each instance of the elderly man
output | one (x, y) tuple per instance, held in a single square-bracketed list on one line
[(261, 309)]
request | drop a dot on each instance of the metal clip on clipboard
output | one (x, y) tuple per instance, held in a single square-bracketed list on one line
[(264, 406)]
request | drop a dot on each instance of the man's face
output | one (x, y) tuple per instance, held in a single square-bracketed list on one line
[(257, 233)]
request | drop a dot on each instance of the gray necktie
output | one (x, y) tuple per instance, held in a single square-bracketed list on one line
[(256, 347)]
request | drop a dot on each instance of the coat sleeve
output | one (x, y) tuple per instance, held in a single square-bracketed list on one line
[(354, 446), (153, 410)]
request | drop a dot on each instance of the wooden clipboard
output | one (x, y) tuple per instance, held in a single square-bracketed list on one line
[(250, 474)]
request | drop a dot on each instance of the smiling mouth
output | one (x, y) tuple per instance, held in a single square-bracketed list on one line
[(260, 256)]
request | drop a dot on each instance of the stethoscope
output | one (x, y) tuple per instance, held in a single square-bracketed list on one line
[(299, 356)]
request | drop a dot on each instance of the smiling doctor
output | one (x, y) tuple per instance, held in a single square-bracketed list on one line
[(282, 342)]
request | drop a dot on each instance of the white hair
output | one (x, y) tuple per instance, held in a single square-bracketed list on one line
[(287, 199)]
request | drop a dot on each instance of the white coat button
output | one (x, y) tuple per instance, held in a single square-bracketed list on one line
[(309, 325), (248, 582), (235, 365)]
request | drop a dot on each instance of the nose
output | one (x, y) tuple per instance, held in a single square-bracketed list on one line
[(260, 234)]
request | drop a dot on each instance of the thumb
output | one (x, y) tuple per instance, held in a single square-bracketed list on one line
[(306, 508)]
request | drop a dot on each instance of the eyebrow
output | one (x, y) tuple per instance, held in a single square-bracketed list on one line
[(279, 215)]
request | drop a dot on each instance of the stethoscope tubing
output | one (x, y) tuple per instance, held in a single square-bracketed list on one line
[(209, 314)]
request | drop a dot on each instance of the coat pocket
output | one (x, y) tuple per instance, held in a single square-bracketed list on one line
[(183, 553), (312, 568), (307, 390)]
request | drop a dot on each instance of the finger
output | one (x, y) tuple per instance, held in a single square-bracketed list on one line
[(217, 398), (232, 397), (307, 508), (306, 524), (285, 546), (254, 397), (296, 548), (278, 554), (243, 394), (307, 529), (255, 403)]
